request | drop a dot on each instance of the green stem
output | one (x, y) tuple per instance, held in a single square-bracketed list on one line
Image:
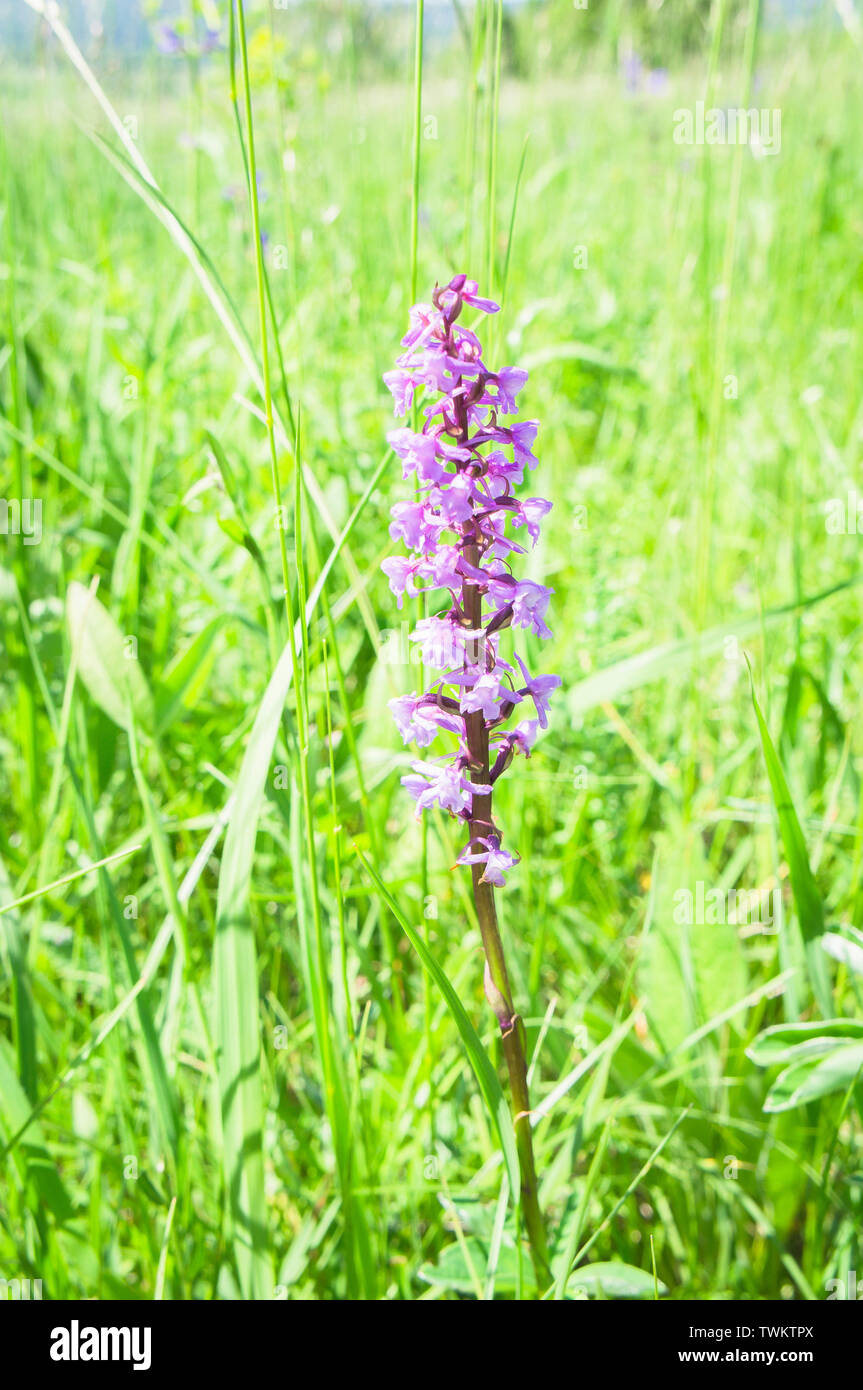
[(494, 102), (262, 325), (415, 217), (418, 112)]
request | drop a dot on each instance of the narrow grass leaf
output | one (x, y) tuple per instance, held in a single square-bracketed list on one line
[(666, 658), (235, 984), (807, 899), (479, 1059), (185, 678), (32, 1156)]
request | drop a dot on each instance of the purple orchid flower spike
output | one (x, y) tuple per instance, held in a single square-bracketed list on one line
[(457, 528)]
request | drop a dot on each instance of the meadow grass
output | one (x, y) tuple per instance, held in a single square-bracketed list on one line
[(224, 1071)]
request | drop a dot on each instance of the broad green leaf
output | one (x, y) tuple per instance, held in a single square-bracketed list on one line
[(791, 1041), (612, 1279), (813, 1078), (461, 1268), (111, 676)]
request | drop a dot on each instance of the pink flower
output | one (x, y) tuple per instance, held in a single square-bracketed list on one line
[(401, 384), (411, 523), (447, 787), (523, 435), (443, 643), (495, 859), (509, 381), (442, 568), (425, 322), (529, 604), (418, 453), (539, 688), (468, 290), (487, 695), (420, 718), (499, 466), (456, 500), (524, 736), (530, 513), (401, 574)]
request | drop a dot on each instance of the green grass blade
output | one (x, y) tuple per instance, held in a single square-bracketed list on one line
[(633, 672), (36, 1167), (807, 899), (236, 1032), (13, 947), (480, 1061)]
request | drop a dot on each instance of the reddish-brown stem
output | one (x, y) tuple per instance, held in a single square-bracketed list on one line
[(497, 984)]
